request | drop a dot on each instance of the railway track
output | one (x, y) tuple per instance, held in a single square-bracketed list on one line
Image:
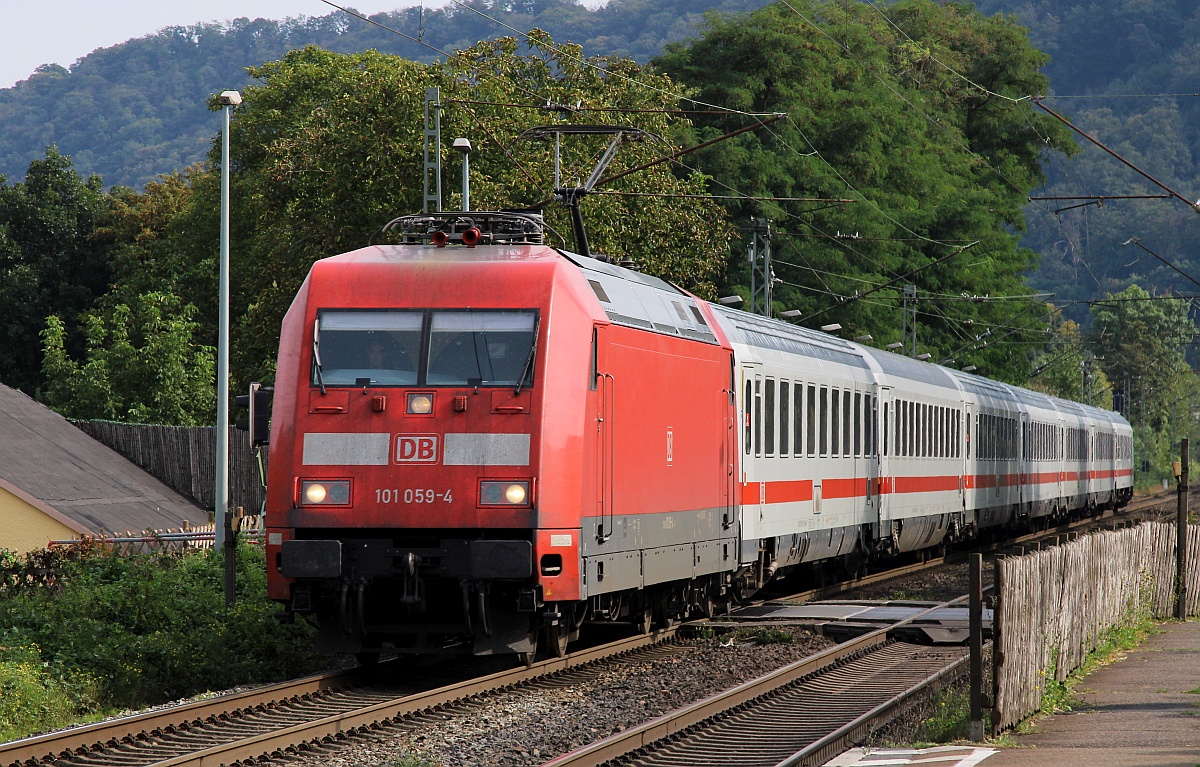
[(802, 714), (272, 721)]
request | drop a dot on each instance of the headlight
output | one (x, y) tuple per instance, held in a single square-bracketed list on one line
[(325, 492), (503, 493), (420, 404)]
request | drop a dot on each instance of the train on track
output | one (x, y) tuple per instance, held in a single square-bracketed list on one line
[(480, 441)]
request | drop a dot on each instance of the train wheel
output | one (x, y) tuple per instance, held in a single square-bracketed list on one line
[(557, 637), (525, 659), (707, 605)]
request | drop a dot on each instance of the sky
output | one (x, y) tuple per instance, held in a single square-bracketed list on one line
[(36, 32)]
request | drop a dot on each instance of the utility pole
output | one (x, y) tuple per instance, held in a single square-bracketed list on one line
[(433, 150), (228, 100), (762, 276), (909, 324)]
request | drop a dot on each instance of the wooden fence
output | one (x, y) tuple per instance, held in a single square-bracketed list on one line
[(1055, 605), (184, 458)]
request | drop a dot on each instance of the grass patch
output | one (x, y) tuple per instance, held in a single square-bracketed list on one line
[(949, 720), (413, 760), (32, 700), (764, 635)]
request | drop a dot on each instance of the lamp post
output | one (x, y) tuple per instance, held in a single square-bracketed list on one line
[(228, 99), (464, 145)]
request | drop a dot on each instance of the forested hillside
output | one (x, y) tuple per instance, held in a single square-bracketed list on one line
[(136, 110), (1128, 73)]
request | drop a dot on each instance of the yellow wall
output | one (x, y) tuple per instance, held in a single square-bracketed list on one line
[(24, 528)]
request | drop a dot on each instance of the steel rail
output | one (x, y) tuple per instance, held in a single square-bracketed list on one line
[(277, 743), (288, 738), (48, 746), (630, 740), (850, 733)]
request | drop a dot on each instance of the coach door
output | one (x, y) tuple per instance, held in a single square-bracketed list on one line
[(729, 445), (605, 386), (965, 480), (753, 484), (1025, 492), (879, 488)]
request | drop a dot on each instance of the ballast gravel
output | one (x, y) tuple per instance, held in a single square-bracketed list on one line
[(532, 725)]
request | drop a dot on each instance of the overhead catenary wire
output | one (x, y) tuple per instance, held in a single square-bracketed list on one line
[(891, 283), (1193, 205)]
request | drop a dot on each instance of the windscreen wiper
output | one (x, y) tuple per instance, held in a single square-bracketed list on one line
[(537, 325), (317, 353)]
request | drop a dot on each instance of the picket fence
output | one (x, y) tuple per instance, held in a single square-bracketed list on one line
[(1055, 605)]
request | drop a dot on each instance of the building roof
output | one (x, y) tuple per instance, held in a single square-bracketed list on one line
[(50, 463)]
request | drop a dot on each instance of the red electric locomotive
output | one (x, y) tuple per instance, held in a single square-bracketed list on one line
[(459, 424)]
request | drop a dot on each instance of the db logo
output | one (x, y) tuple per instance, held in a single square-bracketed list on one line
[(416, 448)]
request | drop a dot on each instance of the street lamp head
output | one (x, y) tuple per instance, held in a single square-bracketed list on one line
[(730, 300), (924, 356), (230, 98), (462, 144), (790, 314), (894, 345), (970, 369), (832, 327), (864, 339)]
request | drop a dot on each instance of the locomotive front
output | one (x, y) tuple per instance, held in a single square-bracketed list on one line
[(417, 496)]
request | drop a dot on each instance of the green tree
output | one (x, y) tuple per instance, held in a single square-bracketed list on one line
[(51, 260), (1064, 367), (910, 116), (329, 148), (1141, 341), (142, 365)]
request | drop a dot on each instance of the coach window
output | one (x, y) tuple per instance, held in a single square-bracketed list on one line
[(758, 417), (847, 423), (785, 415), (810, 412), (835, 410), (858, 424), (902, 428), (886, 423), (824, 426), (925, 448), (798, 420), (748, 407), (914, 430), (945, 421), (769, 417)]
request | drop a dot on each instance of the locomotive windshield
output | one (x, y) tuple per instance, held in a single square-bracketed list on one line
[(461, 348)]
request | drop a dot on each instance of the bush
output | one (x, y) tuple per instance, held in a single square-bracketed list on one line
[(154, 627), (31, 700)]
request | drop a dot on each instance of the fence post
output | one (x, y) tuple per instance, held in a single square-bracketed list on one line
[(1181, 534), (976, 641)]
